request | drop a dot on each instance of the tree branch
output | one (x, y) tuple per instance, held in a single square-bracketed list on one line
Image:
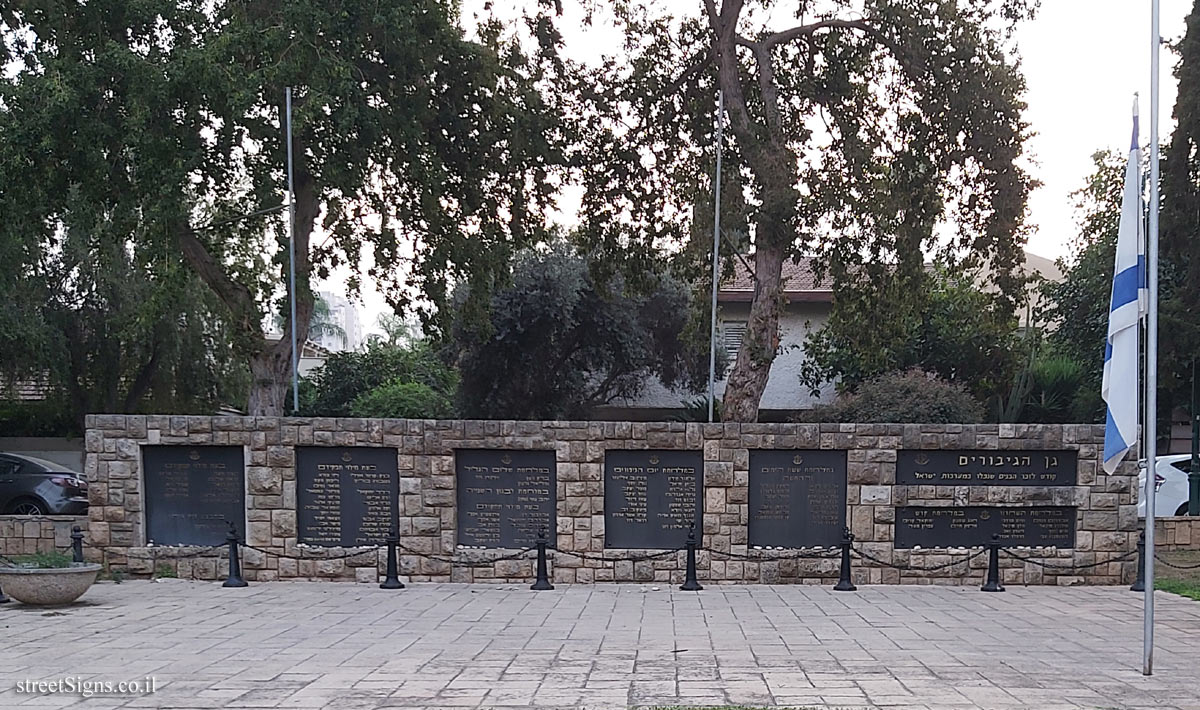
[(803, 30), (234, 295)]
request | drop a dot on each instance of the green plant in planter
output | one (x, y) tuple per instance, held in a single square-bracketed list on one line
[(44, 560)]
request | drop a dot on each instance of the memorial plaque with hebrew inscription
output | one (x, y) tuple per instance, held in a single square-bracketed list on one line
[(192, 493), (651, 498), (346, 496), (505, 497), (986, 468), (797, 498), (974, 526)]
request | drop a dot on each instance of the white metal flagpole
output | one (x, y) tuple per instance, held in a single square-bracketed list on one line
[(716, 260), (292, 256), (1150, 436)]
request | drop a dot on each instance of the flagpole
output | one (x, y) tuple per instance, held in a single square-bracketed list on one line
[(292, 255), (716, 260), (1150, 435)]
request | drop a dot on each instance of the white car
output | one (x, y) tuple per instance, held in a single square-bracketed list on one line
[(1170, 484)]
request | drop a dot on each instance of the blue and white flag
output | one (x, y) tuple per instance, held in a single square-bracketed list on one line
[(1128, 303)]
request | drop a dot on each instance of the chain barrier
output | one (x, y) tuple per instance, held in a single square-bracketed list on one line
[(154, 552), (908, 567), (602, 558), (520, 554), (1172, 565), (346, 556), (1071, 567), (825, 554)]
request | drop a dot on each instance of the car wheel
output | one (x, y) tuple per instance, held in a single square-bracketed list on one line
[(1182, 509), (27, 506)]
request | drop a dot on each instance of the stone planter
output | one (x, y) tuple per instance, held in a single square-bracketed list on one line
[(48, 586)]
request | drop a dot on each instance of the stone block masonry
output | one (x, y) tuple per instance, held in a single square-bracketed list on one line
[(1106, 524), (29, 534)]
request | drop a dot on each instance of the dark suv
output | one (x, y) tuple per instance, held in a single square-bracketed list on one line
[(32, 486)]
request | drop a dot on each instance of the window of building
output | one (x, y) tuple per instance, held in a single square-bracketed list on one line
[(731, 335)]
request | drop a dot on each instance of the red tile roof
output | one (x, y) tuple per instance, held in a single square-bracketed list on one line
[(799, 282)]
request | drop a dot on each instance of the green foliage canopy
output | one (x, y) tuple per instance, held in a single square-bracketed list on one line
[(557, 344), (852, 134), (383, 379), (434, 154)]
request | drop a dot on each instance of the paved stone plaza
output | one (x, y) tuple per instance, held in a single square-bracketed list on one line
[(350, 647)]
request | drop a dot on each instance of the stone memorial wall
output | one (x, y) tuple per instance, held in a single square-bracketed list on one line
[(614, 496)]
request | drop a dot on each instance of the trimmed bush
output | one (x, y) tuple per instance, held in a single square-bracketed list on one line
[(911, 397), (402, 400)]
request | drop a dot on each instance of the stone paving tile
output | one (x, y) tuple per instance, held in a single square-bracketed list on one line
[(350, 647)]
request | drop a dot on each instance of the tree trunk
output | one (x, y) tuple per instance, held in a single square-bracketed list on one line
[(271, 376), (760, 343), (271, 366), (773, 163), (270, 363)]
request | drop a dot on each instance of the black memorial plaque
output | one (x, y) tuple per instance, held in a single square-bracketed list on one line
[(191, 491), (346, 496), (651, 498), (505, 497), (974, 526), (986, 468), (797, 498)]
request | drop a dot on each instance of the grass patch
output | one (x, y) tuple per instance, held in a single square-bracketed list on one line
[(1182, 587)]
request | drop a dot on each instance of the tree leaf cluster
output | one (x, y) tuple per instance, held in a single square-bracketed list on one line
[(558, 343)]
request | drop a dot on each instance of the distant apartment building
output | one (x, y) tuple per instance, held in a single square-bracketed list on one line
[(340, 329)]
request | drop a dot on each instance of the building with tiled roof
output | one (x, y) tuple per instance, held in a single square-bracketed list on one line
[(808, 306)]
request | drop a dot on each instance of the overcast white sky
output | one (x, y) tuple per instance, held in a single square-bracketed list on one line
[(1082, 59)]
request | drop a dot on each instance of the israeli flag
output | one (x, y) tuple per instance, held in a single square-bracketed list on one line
[(1128, 303)]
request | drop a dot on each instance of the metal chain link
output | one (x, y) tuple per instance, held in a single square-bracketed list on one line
[(909, 567), (796, 555), (346, 556), (601, 558), (1071, 567), (107, 550), (1175, 566), (520, 554)]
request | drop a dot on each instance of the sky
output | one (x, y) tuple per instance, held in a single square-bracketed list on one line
[(1083, 60)]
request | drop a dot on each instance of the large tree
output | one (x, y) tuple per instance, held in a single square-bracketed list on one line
[(430, 152), (855, 129), (107, 324), (1179, 278), (558, 344)]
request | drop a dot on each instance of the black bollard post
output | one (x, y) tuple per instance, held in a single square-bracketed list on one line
[(235, 564), (542, 582), (392, 578), (844, 584), (993, 574), (77, 544), (690, 583), (1139, 584)]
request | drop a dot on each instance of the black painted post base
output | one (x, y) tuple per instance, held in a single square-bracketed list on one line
[(992, 584), (844, 584), (392, 577), (1139, 584), (76, 544), (542, 583), (690, 583), (235, 562)]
